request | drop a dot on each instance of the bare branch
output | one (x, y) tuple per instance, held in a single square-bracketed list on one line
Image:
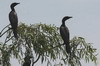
[(4, 28), (4, 32), (7, 40), (36, 60)]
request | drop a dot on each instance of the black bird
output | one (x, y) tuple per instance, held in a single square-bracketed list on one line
[(65, 34), (13, 19)]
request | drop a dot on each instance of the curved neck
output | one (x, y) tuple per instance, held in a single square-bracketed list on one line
[(12, 8), (63, 22)]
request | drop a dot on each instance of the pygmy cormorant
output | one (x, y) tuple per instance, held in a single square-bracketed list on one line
[(65, 34), (13, 19)]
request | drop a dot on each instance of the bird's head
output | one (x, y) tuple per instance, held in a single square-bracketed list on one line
[(66, 18), (14, 4)]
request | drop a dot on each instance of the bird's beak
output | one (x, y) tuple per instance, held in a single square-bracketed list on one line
[(18, 3), (70, 17)]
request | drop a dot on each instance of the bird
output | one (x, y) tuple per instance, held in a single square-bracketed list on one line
[(13, 19), (27, 61), (64, 32)]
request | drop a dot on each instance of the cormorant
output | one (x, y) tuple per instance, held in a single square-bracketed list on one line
[(13, 19), (65, 34)]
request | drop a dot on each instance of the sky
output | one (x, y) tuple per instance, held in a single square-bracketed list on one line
[(85, 13)]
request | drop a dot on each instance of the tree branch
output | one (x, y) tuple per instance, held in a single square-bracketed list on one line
[(40, 54), (36, 60), (4, 32), (7, 40), (4, 28)]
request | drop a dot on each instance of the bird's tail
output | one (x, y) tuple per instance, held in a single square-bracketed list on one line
[(15, 33), (68, 48)]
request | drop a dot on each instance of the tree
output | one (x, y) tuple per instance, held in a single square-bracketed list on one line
[(42, 41)]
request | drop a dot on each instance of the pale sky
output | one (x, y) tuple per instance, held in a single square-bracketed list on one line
[(85, 13)]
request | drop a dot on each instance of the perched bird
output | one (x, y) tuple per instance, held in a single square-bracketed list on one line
[(13, 19), (27, 61), (65, 34)]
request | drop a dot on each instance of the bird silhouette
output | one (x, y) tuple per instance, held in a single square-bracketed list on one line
[(64, 32), (13, 19)]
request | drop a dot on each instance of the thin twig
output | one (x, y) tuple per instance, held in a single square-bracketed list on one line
[(36, 60), (8, 40), (4, 28), (4, 32)]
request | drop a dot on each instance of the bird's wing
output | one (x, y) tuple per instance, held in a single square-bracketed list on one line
[(13, 19), (64, 33), (14, 22), (65, 36)]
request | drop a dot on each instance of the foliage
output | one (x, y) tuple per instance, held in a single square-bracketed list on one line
[(41, 41)]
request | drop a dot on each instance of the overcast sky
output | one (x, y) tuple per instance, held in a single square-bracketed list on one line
[(85, 13)]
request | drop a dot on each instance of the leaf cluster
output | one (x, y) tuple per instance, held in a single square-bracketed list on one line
[(42, 41)]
